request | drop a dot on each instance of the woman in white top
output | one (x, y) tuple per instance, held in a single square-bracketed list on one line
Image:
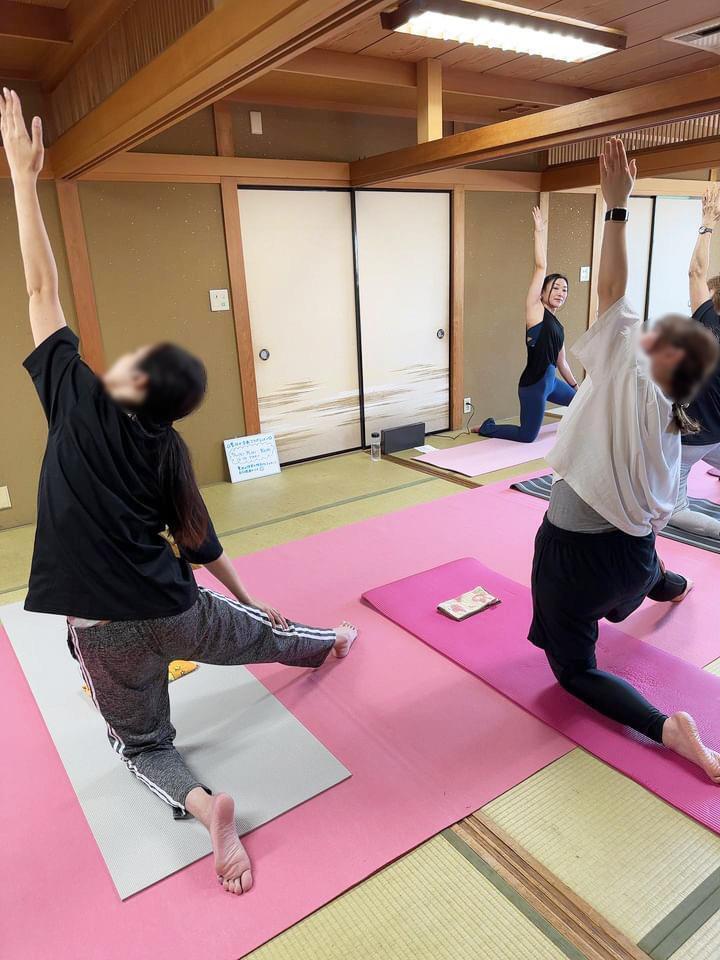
[(617, 462)]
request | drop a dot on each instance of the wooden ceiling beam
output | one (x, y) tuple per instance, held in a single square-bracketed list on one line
[(22, 21), (87, 21), (654, 162), (335, 65), (228, 48), (695, 94)]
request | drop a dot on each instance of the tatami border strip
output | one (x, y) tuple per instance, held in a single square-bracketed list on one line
[(684, 920), (537, 920)]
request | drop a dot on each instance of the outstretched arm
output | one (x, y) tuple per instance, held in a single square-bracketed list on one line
[(223, 570), (25, 158), (617, 177), (698, 271), (534, 307)]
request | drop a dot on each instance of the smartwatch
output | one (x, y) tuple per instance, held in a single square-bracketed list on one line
[(705, 229), (618, 214)]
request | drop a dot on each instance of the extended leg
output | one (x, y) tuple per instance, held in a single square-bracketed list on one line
[(561, 393), (532, 411), (610, 695), (683, 516)]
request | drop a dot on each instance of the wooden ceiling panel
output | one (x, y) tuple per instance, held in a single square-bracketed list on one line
[(627, 61), (659, 71), (403, 46), (359, 39), (19, 58)]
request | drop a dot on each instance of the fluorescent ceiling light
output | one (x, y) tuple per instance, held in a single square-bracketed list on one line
[(504, 28)]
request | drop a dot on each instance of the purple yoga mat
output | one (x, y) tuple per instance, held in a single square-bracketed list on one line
[(493, 645)]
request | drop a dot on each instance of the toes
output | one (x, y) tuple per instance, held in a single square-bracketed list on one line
[(246, 881)]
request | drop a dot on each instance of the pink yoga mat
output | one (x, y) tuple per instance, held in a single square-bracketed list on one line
[(403, 720), (484, 456), (493, 645)]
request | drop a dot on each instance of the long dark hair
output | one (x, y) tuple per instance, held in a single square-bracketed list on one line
[(700, 357), (176, 385)]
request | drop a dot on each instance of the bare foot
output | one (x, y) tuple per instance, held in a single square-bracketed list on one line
[(689, 584), (681, 735), (346, 635), (232, 863)]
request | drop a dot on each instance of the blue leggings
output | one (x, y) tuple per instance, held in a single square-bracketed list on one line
[(532, 408)]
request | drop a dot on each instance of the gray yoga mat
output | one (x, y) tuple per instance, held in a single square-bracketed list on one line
[(234, 734), (540, 487)]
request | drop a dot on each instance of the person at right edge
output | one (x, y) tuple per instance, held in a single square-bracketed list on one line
[(617, 466), (705, 410)]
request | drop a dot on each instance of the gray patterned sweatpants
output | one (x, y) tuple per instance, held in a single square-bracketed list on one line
[(125, 665)]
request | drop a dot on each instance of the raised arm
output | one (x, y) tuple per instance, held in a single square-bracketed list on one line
[(617, 177), (700, 261), (25, 159), (534, 307)]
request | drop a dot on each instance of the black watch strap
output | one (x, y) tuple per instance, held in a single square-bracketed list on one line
[(618, 214)]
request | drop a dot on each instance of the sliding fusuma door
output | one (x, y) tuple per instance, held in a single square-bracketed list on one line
[(403, 263), (298, 252)]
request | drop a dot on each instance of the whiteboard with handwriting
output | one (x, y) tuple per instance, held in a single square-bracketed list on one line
[(251, 457)]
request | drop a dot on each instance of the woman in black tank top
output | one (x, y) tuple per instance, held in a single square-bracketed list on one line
[(544, 339)]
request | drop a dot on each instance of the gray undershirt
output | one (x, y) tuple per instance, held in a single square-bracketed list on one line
[(569, 512)]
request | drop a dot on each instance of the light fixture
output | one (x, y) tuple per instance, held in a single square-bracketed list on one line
[(504, 27)]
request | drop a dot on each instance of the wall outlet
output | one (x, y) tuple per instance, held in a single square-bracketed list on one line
[(584, 274), (256, 123), (4, 498), (467, 405), (219, 300)]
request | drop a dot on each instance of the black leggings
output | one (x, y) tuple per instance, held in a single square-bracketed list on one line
[(609, 694)]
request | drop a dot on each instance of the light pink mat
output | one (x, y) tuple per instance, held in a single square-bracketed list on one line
[(424, 745), (484, 456), (493, 645)]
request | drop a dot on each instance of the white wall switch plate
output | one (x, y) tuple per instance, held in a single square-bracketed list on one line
[(4, 498), (219, 300), (584, 274), (256, 123), (467, 405)]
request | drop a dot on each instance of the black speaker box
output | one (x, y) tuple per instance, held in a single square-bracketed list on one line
[(402, 438)]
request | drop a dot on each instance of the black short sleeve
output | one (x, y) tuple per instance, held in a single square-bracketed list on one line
[(59, 374), (708, 317), (208, 551)]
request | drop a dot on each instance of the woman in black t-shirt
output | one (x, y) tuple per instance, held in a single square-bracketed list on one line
[(544, 338), (120, 519)]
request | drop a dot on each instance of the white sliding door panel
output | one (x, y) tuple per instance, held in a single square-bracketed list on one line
[(404, 281), (639, 236), (676, 225), (297, 246)]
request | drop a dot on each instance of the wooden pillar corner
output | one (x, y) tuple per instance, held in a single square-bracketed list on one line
[(224, 135), (80, 274), (241, 310), (457, 331), (429, 101)]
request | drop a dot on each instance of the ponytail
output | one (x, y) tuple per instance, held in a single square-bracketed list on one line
[(177, 382), (187, 516), (682, 421)]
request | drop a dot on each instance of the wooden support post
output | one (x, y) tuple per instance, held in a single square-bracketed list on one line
[(241, 310), (598, 224), (715, 174), (429, 101), (224, 136), (80, 274), (457, 343)]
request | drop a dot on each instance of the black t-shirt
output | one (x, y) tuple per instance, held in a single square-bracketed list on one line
[(98, 551), (706, 409), (546, 350)]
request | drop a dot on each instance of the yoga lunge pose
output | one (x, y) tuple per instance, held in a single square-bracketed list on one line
[(617, 463), (704, 443), (120, 519), (544, 338)]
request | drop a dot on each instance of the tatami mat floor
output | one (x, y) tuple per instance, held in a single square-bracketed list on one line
[(649, 870)]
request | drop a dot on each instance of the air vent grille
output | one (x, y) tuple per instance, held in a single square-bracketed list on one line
[(703, 36), (661, 135)]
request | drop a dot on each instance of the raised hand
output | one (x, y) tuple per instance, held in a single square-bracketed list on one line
[(711, 204), (617, 176), (24, 153), (540, 224)]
